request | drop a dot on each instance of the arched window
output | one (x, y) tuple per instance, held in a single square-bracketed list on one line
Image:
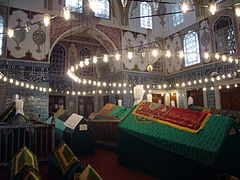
[(75, 5), (102, 9), (88, 70), (1, 35), (224, 36), (146, 10), (191, 49), (178, 17), (57, 60)]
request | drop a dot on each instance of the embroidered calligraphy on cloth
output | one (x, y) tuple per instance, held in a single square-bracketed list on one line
[(190, 121)]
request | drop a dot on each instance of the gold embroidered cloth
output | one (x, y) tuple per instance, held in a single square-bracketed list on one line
[(187, 120)]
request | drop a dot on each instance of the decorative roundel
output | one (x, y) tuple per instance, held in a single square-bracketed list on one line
[(39, 37)]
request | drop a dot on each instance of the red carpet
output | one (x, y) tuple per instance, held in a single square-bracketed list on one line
[(104, 162)]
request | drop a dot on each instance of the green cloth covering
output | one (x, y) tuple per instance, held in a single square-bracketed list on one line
[(29, 174), (196, 108), (23, 159), (88, 174), (202, 147), (64, 163)]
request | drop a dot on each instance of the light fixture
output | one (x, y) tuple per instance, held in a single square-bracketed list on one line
[(105, 58), (237, 11), (130, 55), (84, 81), (87, 61), (223, 76), (184, 7), (224, 58), (217, 56), (94, 59), (229, 75), (154, 52), (93, 4), (181, 54), (66, 13), (183, 84), (218, 78), (46, 20), (206, 55), (194, 82), (189, 83), (204, 89), (10, 33), (212, 88), (124, 3), (212, 79), (219, 87), (177, 85), (227, 86), (117, 56), (235, 85), (206, 79), (230, 59), (213, 8), (200, 80), (168, 53), (149, 68)]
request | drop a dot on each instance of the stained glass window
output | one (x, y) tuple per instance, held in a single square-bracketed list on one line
[(191, 49), (146, 10), (87, 70), (224, 36), (178, 17), (57, 61), (75, 5), (102, 9), (1, 35)]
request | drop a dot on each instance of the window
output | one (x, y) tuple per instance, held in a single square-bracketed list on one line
[(224, 36), (178, 17), (146, 10), (1, 35), (76, 5), (57, 60), (102, 9), (218, 1), (191, 49), (88, 70)]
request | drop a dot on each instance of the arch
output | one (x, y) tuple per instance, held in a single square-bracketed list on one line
[(1, 34), (57, 60), (225, 39), (191, 49), (146, 10), (96, 34)]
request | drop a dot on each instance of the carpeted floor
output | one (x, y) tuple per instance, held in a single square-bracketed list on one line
[(104, 162)]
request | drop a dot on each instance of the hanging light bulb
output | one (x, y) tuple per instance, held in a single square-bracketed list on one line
[(229, 75), (181, 54), (237, 11), (200, 80), (105, 58), (46, 20), (168, 54), (154, 52), (149, 68), (223, 76), (224, 58), (212, 79), (124, 3), (177, 84), (130, 55), (206, 55), (236, 61), (212, 88), (10, 33), (218, 78), (230, 59), (22, 84), (235, 85), (87, 61), (189, 83), (227, 86), (183, 84), (66, 13), (5, 79), (16, 83), (217, 56), (206, 79), (194, 82), (93, 5), (204, 89), (117, 56), (219, 87), (184, 7), (94, 59), (213, 8)]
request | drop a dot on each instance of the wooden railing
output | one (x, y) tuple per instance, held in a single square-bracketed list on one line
[(39, 138)]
